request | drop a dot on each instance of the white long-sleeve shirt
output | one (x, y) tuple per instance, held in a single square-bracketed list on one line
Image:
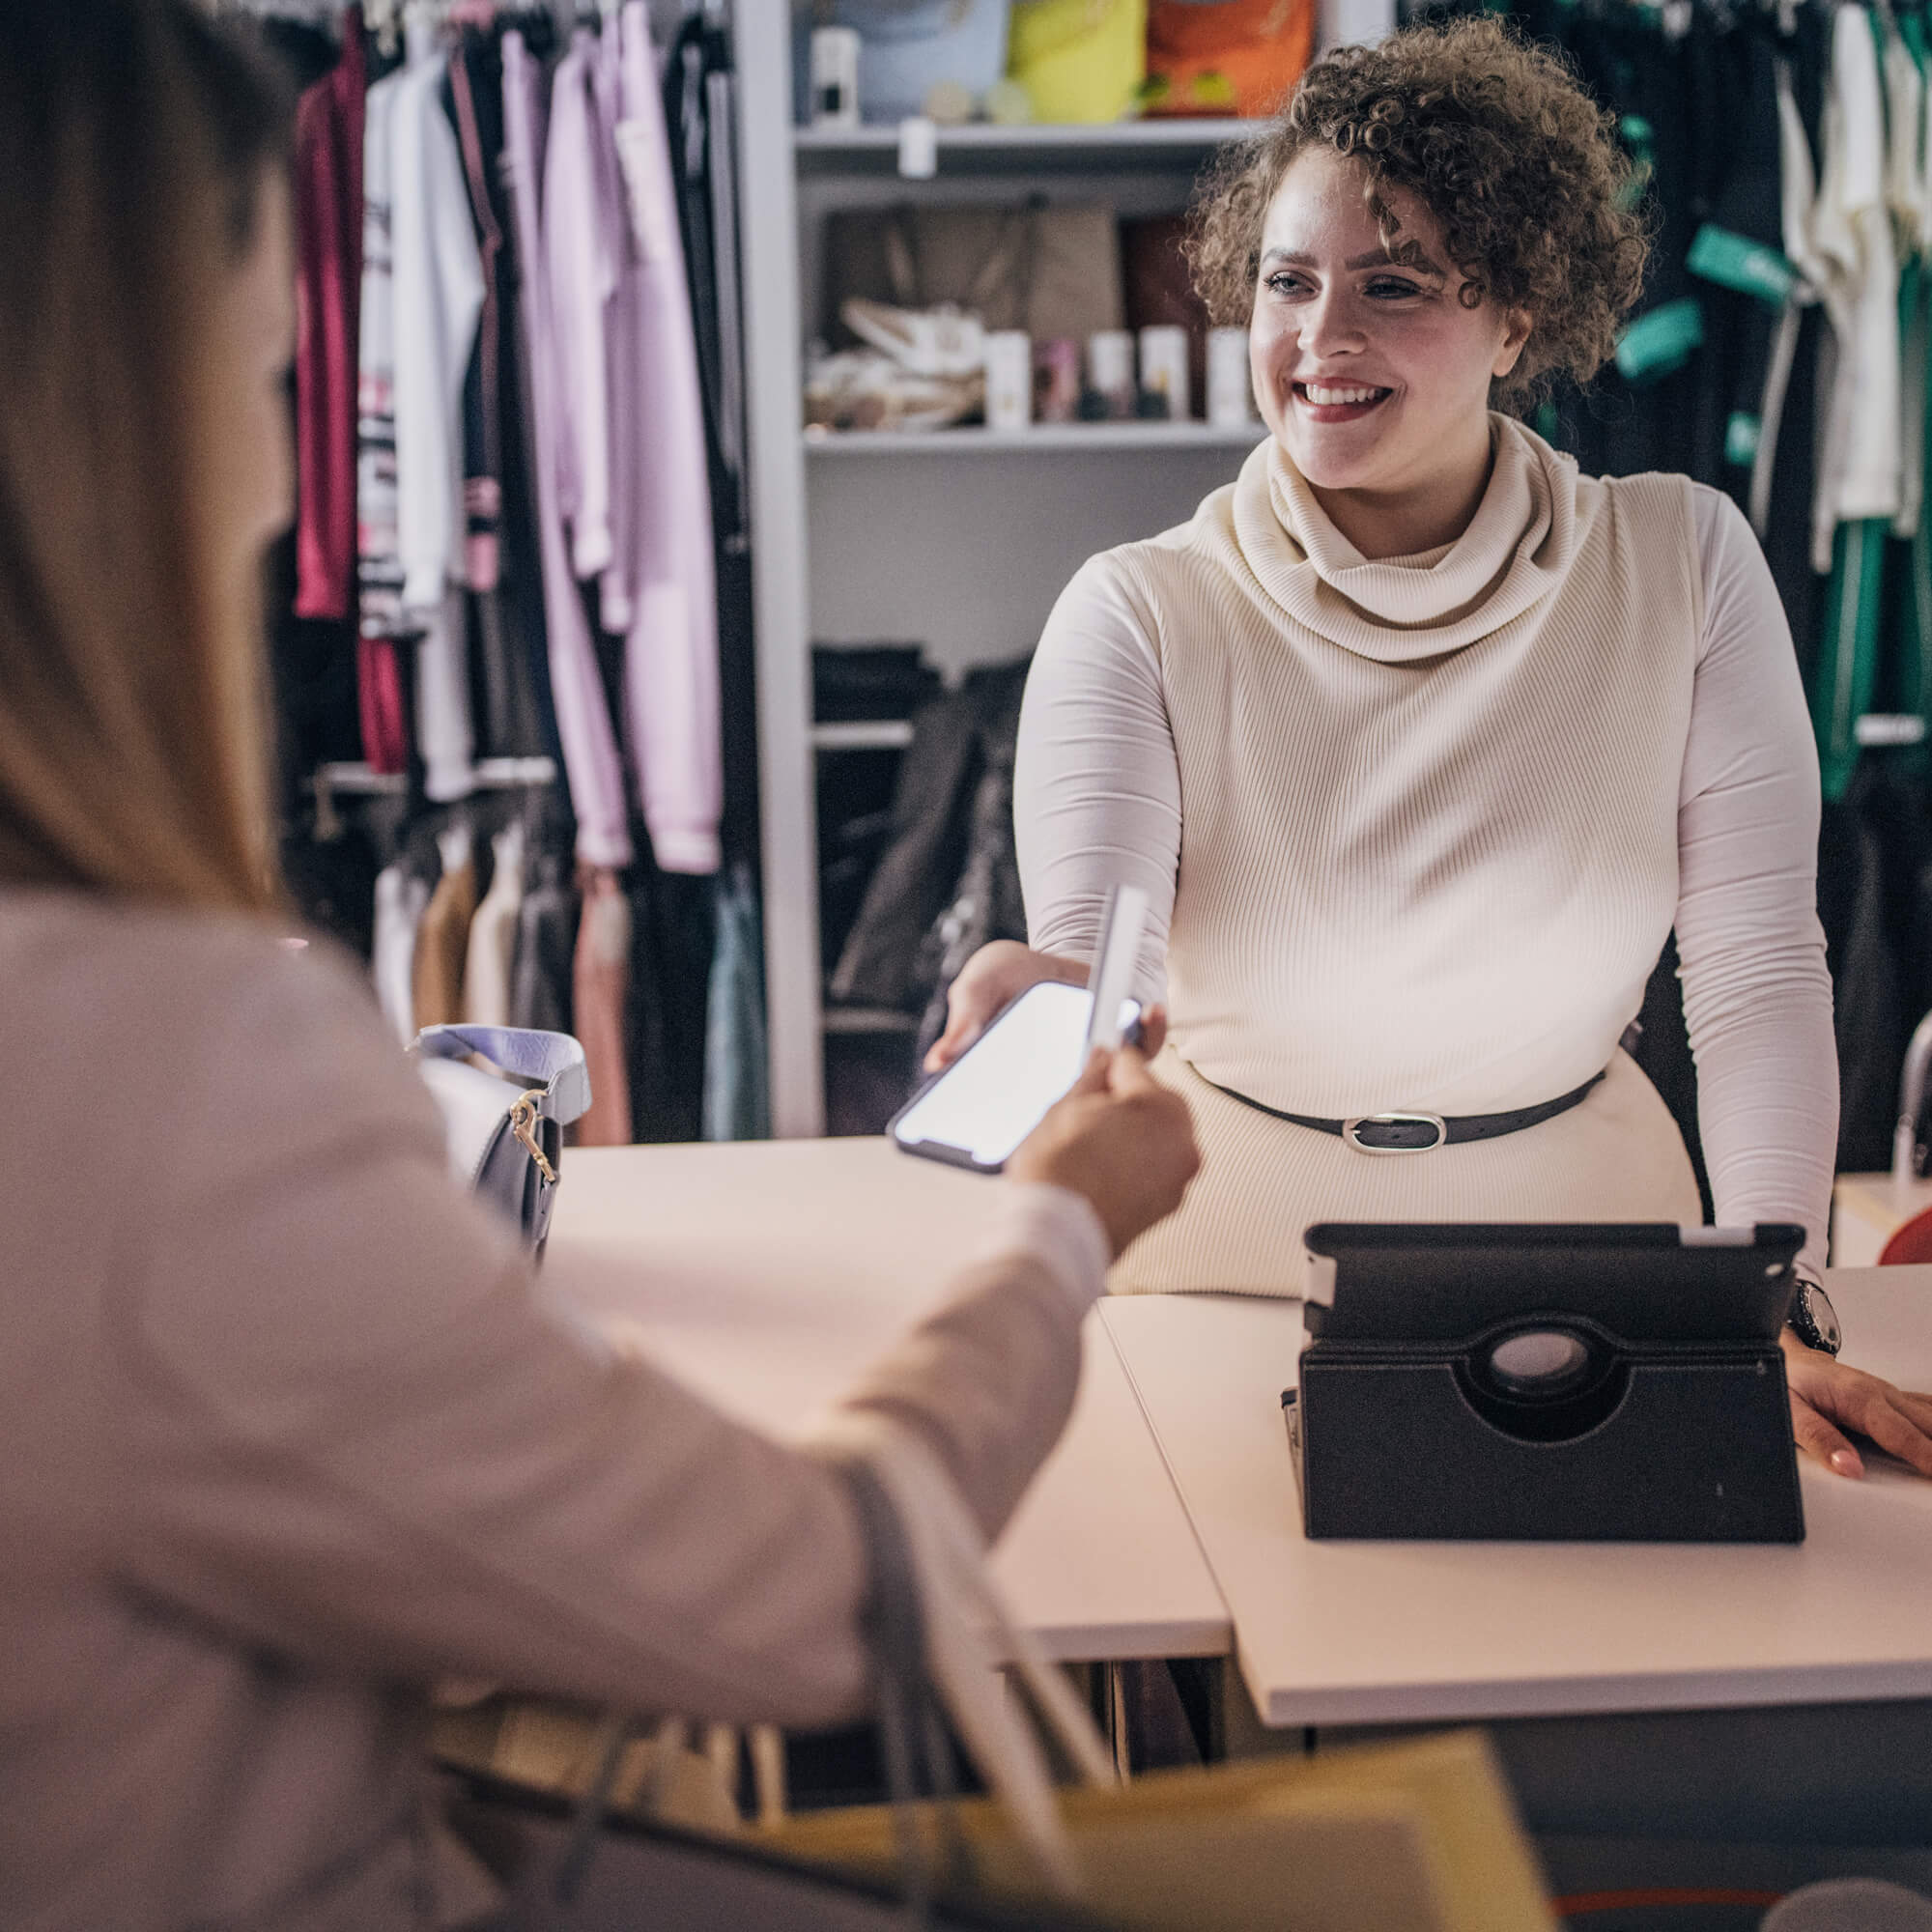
[(1099, 799)]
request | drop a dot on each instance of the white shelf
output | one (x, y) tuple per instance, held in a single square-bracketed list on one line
[(490, 775), (868, 1020), (982, 146), (866, 734), (1084, 438)]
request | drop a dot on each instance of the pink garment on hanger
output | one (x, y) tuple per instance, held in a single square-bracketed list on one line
[(582, 261), (329, 290), (671, 658), (599, 981), (591, 764)]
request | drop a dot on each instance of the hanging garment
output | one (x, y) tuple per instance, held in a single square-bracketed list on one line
[(910, 889), (670, 656), (442, 942), (379, 556), (493, 934), (582, 253), (437, 282), (986, 902), (701, 112), (589, 744), (504, 624), (402, 897), (673, 931), (540, 982), (328, 277), (737, 1087), (1908, 689), (1852, 238), (628, 434), (598, 983), (1875, 901), (519, 716), (482, 462)]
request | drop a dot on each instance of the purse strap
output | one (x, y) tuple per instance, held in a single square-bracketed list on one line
[(524, 1053)]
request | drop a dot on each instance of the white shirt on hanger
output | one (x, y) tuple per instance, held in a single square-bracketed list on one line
[(438, 278), (1851, 233)]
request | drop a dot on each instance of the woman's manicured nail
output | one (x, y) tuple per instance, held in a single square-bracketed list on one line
[(1845, 1463)]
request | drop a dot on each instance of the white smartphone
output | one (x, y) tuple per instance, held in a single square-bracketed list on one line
[(994, 1095)]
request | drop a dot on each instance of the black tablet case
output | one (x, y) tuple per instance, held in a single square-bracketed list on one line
[(1675, 1428)]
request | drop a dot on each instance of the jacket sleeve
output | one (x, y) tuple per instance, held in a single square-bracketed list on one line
[(346, 1431)]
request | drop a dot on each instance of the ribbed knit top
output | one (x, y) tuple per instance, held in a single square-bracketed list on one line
[(1413, 827)]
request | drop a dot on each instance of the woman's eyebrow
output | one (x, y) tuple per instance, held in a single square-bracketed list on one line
[(1407, 255)]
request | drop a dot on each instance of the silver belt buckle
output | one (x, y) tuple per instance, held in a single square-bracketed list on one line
[(1351, 1133)]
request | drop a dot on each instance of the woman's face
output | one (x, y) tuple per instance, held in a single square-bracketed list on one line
[(246, 464), (1370, 372)]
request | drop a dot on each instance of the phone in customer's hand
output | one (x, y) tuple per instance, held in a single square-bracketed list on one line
[(979, 1111)]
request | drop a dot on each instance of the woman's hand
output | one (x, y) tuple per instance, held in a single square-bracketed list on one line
[(995, 975), (1119, 1138), (1828, 1395)]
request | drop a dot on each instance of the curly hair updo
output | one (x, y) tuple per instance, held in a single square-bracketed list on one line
[(1498, 139)]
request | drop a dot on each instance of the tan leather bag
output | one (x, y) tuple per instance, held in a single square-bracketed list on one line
[(1049, 269)]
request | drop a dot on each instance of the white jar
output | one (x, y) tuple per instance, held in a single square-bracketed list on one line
[(1008, 379), (1231, 392), (1164, 367)]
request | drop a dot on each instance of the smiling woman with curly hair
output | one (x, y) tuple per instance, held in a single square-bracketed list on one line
[(1520, 167), (1421, 744)]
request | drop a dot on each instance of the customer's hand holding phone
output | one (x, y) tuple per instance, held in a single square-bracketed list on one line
[(1119, 1138)]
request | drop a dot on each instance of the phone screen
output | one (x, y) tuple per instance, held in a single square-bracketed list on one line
[(992, 1097)]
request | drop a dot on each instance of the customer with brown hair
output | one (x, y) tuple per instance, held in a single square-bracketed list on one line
[(283, 1434), (1421, 743)]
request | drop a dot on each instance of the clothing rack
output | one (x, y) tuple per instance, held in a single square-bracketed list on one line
[(356, 780)]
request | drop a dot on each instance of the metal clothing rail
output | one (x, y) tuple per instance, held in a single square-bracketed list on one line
[(329, 782)]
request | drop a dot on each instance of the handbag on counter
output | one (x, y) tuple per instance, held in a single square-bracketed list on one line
[(504, 1128)]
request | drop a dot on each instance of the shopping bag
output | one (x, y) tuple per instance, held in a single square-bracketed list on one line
[(1410, 1838)]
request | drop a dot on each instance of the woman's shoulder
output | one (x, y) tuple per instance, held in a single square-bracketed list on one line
[(210, 1022), (1707, 517)]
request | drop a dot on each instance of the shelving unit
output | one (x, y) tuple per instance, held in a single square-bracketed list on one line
[(960, 538), (870, 734), (981, 149), (1080, 439)]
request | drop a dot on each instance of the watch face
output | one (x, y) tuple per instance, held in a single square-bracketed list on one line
[(1821, 1316)]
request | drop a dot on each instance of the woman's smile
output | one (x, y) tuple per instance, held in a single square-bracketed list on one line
[(1338, 402)]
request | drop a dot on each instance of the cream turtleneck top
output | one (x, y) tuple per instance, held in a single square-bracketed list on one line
[(1414, 830)]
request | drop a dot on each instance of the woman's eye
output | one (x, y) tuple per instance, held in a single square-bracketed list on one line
[(1390, 287), (1282, 283)]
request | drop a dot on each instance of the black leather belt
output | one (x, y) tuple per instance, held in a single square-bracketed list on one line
[(1400, 1132)]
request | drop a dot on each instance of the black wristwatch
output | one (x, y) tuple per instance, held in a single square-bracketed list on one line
[(1813, 1319)]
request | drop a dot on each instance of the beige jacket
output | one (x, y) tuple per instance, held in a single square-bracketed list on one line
[(284, 1437)]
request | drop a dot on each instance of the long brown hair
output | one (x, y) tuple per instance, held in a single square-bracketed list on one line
[(135, 137)]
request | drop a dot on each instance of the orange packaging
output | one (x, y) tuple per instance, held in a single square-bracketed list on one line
[(1239, 57)]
